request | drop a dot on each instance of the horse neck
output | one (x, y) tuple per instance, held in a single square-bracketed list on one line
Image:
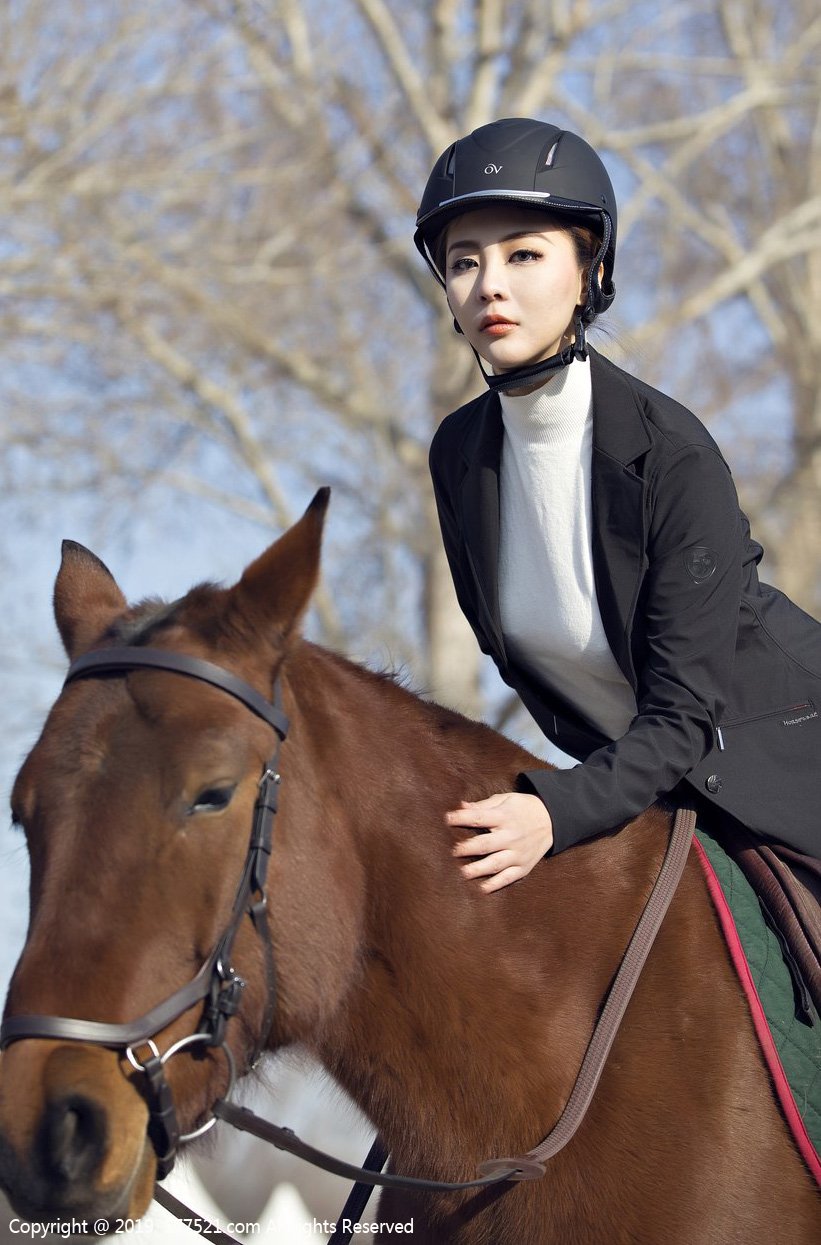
[(390, 765), (445, 982)]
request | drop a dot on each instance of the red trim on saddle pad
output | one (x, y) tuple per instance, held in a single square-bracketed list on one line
[(762, 1028)]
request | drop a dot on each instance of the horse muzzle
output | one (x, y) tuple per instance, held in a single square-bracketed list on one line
[(73, 1135)]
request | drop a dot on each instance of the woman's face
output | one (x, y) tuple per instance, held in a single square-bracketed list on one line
[(513, 283)]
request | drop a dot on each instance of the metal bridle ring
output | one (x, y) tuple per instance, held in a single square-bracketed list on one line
[(232, 1076), (182, 1043)]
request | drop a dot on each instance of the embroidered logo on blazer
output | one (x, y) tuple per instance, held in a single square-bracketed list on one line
[(700, 562)]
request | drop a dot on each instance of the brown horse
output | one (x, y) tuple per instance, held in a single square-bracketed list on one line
[(456, 1020)]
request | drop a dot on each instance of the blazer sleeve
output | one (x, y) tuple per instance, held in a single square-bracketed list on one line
[(689, 603)]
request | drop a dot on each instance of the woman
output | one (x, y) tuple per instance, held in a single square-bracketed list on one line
[(594, 533)]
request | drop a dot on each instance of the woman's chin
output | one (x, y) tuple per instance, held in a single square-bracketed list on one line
[(500, 361)]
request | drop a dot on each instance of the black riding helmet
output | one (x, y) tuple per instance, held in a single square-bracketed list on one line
[(530, 163), (534, 164)]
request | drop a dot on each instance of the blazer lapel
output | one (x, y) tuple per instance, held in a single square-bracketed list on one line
[(620, 437), (482, 449)]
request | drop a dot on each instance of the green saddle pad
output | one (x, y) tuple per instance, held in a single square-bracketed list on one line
[(797, 1039)]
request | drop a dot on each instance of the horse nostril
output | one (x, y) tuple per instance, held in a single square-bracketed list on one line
[(72, 1139)]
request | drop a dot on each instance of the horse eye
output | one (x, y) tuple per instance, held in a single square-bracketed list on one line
[(212, 800)]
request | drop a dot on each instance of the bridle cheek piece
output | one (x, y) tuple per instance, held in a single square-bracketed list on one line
[(217, 982)]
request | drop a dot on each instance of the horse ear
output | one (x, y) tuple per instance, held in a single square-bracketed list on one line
[(86, 598), (275, 590)]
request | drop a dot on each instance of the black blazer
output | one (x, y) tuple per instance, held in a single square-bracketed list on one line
[(726, 669)]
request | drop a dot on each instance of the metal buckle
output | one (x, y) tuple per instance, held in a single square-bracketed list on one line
[(132, 1058)]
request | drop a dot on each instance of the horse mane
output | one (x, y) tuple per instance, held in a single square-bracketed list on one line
[(151, 615), (149, 618), (445, 723)]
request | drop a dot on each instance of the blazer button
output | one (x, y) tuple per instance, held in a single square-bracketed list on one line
[(714, 784)]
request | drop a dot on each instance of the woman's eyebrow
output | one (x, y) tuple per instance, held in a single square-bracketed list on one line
[(519, 233)]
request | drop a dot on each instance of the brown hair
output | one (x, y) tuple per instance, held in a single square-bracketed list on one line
[(587, 244)]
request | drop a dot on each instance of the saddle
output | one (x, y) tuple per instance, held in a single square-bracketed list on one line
[(787, 884), (765, 899)]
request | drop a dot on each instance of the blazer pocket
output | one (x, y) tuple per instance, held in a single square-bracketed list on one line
[(764, 770), (794, 715)]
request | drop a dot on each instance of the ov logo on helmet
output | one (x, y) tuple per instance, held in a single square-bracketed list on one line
[(493, 168)]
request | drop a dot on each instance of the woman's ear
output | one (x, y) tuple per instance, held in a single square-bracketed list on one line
[(600, 275)]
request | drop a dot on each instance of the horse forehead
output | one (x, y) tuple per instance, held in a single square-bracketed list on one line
[(135, 727), (73, 738), (147, 704)]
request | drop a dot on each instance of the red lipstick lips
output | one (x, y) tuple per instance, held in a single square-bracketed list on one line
[(496, 326)]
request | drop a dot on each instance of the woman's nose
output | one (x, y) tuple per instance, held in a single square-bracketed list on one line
[(491, 284)]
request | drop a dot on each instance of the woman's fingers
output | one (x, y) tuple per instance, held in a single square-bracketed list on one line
[(486, 866), (516, 833), (492, 801), (499, 880), (482, 813), (482, 844)]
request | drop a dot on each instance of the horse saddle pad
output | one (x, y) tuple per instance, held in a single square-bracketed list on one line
[(786, 1021)]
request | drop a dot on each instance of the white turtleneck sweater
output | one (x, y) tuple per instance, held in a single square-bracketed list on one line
[(549, 609)]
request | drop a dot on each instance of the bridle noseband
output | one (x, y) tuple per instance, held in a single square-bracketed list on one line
[(217, 982)]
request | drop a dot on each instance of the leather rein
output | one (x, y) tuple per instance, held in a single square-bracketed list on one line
[(219, 985)]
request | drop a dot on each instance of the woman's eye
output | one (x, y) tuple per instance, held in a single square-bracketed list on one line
[(524, 254), (212, 800), (463, 264)]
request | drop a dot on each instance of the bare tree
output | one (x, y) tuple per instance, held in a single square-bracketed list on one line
[(207, 277)]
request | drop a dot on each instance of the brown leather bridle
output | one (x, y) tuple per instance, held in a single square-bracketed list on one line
[(218, 983)]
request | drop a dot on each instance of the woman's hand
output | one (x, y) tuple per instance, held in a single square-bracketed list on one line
[(519, 832)]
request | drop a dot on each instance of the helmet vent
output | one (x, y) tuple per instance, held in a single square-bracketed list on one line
[(451, 162), (551, 155)]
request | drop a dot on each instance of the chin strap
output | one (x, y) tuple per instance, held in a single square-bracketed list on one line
[(518, 377)]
